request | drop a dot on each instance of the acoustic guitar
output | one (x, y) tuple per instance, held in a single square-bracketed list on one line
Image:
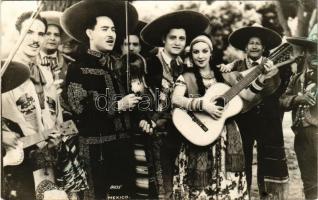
[(15, 155), (199, 127)]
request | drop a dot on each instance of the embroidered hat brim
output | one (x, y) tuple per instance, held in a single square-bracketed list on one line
[(75, 19), (240, 37), (16, 74), (193, 22)]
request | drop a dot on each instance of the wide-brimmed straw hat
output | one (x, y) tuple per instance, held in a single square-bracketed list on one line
[(193, 22), (75, 19), (240, 37), (53, 18), (16, 74), (310, 42)]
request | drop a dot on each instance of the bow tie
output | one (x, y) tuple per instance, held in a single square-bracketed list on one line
[(36, 75), (49, 61), (39, 81), (176, 68), (254, 64), (104, 59)]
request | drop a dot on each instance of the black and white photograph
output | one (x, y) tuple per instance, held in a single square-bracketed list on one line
[(159, 100)]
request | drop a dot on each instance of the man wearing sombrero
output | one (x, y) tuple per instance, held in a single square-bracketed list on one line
[(170, 32), (97, 97), (49, 54), (54, 62), (262, 122), (136, 45), (25, 105), (301, 98), (69, 171), (50, 57)]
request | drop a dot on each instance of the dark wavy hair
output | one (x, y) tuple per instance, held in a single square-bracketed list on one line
[(198, 76), (25, 16)]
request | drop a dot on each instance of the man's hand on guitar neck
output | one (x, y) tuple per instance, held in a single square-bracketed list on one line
[(269, 71)]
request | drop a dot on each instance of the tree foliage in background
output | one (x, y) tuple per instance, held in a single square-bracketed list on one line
[(58, 5), (228, 16), (61, 5), (304, 10)]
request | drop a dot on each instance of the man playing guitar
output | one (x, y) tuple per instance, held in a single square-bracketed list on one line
[(24, 105), (261, 123)]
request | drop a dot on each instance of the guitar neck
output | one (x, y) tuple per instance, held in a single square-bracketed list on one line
[(246, 81), (281, 53), (65, 128), (35, 139)]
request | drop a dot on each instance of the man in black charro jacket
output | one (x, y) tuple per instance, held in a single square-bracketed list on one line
[(97, 98), (171, 31)]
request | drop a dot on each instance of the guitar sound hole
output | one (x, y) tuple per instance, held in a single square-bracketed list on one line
[(220, 102)]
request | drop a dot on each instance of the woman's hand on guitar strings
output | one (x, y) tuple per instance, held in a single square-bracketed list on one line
[(146, 126), (212, 109)]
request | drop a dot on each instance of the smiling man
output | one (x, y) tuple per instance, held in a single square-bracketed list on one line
[(26, 105), (261, 123), (171, 33), (97, 98), (50, 56)]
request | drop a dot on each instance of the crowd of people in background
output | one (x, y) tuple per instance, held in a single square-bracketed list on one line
[(95, 107)]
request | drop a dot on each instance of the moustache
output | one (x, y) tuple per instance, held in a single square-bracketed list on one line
[(35, 43)]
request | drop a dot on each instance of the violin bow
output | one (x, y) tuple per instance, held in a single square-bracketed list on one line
[(127, 57), (18, 44)]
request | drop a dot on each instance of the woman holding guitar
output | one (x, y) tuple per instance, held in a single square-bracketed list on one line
[(216, 170)]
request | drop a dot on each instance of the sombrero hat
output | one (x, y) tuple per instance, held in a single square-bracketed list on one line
[(75, 19), (193, 22), (16, 74), (310, 42), (240, 37), (144, 46), (53, 18), (137, 29)]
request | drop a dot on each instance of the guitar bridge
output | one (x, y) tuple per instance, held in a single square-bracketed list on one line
[(197, 121)]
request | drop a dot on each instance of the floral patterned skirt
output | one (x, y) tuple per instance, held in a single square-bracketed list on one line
[(201, 174)]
